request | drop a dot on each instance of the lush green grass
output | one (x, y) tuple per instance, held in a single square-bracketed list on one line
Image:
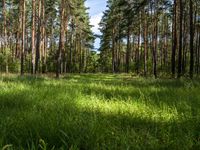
[(99, 112)]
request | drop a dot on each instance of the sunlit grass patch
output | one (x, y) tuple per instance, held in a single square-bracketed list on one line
[(99, 112)]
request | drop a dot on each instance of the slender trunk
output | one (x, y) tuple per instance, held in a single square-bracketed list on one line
[(198, 55), (66, 43), (138, 51), (113, 50), (5, 50), (180, 38), (43, 60), (166, 44), (38, 45), (23, 35), (145, 44), (185, 38), (128, 51), (174, 39), (62, 38), (155, 38), (33, 37), (191, 40)]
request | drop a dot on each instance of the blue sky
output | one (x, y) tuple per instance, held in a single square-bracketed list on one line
[(97, 7)]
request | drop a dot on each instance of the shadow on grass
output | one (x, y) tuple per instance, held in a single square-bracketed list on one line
[(66, 124), (69, 125), (111, 87), (14, 101)]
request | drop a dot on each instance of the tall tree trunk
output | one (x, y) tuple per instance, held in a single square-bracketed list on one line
[(62, 38), (145, 44), (180, 38), (174, 39), (185, 38), (137, 57), (33, 36), (155, 39), (66, 43), (70, 53), (38, 44), (18, 34), (128, 51), (23, 35), (191, 40), (5, 50), (43, 60), (113, 50), (198, 55), (166, 43)]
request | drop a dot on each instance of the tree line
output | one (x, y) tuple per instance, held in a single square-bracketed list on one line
[(40, 36), (151, 37), (147, 37)]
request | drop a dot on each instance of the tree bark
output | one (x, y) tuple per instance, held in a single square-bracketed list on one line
[(5, 50), (145, 44), (180, 38), (128, 51), (62, 38), (23, 35), (38, 44), (33, 37), (174, 39), (191, 40)]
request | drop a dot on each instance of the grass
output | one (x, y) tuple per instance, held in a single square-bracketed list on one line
[(99, 112)]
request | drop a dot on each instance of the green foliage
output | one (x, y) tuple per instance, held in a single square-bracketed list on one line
[(6, 59), (92, 63), (78, 40), (2, 59), (98, 112), (139, 35), (14, 66)]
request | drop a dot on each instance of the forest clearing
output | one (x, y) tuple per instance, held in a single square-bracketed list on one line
[(99, 111), (99, 74)]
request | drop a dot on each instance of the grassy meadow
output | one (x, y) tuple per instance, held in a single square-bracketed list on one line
[(99, 112)]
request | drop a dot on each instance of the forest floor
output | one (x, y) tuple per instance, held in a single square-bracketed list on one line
[(105, 112)]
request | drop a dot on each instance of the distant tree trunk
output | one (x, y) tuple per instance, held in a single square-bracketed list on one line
[(70, 52), (52, 36), (23, 35), (155, 38), (43, 50), (10, 33), (5, 50), (33, 37), (38, 45), (80, 53), (128, 51), (145, 44), (166, 43), (18, 34), (174, 39), (66, 44), (198, 54), (180, 38), (191, 40), (196, 40), (138, 51), (185, 38), (62, 38), (113, 50), (119, 55)]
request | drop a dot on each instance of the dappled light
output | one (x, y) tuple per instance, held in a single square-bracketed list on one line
[(89, 112), (99, 74)]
